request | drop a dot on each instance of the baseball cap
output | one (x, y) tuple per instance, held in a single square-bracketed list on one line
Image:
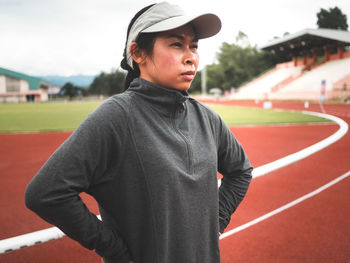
[(164, 16)]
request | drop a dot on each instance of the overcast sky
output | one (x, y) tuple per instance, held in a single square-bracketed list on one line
[(69, 37)]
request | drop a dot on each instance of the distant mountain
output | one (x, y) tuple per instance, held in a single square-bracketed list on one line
[(77, 80)]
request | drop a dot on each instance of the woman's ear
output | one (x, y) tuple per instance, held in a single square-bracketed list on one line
[(136, 54)]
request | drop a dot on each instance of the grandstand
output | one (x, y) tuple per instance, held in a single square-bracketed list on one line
[(320, 68), (261, 87)]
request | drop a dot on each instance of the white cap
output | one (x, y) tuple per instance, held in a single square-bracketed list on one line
[(164, 16)]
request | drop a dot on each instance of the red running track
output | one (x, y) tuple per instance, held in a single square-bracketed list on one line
[(316, 230)]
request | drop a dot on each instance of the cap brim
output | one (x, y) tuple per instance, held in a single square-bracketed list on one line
[(206, 25)]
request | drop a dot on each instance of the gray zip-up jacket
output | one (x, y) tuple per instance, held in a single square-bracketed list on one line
[(150, 157)]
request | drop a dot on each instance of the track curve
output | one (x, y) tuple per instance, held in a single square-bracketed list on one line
[(300, 226)]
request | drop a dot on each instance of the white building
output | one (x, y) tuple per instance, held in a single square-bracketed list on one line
[(18, 87)]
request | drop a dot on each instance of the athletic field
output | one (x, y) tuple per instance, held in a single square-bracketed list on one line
[(43, 117), (296, 209)]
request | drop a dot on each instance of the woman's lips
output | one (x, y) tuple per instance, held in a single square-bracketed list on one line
[(189, 75)]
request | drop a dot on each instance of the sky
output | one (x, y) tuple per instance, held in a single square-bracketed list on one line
[(71, 37)]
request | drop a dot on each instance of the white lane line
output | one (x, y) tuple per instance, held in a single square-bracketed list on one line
[(41, 236), (281, 209), (294, 157), (287, 124), (31, 239), (297, 156)]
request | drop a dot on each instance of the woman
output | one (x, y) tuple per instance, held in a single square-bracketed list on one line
[(149, 156)]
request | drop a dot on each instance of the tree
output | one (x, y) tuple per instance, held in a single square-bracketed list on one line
[(70, 90), (237, 63), (242, 39), (196, 83), (214, 79), (108, 83), (332, 18)]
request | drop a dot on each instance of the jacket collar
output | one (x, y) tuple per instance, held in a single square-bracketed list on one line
[(164, 99)]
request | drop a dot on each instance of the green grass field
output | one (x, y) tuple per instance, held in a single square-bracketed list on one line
[(44, 116), (235, 116), (40, 117)]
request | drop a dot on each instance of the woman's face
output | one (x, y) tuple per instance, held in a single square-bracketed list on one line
[(174, 61)]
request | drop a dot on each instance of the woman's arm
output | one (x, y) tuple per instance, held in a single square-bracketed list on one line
[(236, 169), (78, 164)]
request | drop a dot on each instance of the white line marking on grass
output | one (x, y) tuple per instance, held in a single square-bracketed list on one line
[(281, 209), (41, 236)]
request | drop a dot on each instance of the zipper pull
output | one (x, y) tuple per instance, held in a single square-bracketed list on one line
[(182, 107)]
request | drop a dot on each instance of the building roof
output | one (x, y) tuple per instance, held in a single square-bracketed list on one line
[(33, 82), (309, 39)]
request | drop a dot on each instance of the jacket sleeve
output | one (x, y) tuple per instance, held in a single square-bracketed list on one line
[(236, 169), (78, 164)]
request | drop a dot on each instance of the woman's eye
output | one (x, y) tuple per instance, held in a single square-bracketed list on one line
[(194, 47), (177, 44)]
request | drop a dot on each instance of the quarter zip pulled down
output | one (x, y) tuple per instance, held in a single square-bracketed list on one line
[(180, 112)]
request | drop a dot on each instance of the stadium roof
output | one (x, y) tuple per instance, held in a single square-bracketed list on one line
[(33, 82), (309, 39)]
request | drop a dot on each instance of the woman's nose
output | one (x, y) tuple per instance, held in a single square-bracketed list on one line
[(189, 62), (190, 57)]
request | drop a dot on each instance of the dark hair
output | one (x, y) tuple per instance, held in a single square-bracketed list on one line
[(145, 42)]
